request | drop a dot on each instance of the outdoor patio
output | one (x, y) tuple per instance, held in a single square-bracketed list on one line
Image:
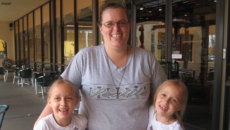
[(24, 105)]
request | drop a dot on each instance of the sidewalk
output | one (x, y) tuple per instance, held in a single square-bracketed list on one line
[(24, 105)]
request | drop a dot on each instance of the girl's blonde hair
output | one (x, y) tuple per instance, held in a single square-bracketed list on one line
[(178, 114), (65, 82)]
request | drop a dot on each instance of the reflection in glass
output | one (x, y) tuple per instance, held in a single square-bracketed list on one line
[(17, 43), (58, 32), (193, 50), (31, 36), (47, 67), (38, 35), (25, 39), (46, 34), (21, 42), (59, 70), (150, 29), (69, 45), (32, 64), (193, 38), (38, 66), (84, 24)]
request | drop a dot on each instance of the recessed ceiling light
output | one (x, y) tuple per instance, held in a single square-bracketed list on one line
[(5, 3)]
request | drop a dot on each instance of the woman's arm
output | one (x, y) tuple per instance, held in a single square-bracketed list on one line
[(46, 111)]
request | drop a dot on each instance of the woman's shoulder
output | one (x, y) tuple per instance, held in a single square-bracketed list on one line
[(142, 52), (89, 51)]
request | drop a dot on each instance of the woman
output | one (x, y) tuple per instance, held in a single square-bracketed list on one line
[(115, 79)]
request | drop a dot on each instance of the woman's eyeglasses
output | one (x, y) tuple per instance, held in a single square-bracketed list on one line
[(112, 24)]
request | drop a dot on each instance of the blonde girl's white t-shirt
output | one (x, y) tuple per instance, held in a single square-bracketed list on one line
[(156, 125), (78, 122)]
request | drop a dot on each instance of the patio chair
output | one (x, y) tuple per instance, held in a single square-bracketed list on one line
[(2, 72), (36, 80), (3, 109), (45, 82), (25, 74), (16, 75)]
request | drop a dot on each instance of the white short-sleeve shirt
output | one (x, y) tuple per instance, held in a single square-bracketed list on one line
[(78, 122), (156, 125)]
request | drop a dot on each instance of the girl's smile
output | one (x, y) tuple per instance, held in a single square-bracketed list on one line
[(168, 101)]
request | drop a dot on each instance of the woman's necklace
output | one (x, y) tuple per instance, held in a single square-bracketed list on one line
[(118, 87)]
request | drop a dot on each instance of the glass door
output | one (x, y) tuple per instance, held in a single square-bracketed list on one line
[(192, 49), (150, 29), (193, 56)]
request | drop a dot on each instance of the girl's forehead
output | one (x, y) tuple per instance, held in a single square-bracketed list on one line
[(62, 87), (172, 88)]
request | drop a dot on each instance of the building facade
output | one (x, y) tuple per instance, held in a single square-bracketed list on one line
[(188, 37)]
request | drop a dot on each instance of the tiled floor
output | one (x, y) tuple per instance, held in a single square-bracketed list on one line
[(24, 105)]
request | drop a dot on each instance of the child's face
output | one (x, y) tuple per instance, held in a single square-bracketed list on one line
[(168, 100), (62, 100)]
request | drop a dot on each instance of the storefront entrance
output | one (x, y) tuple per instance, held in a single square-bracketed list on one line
[(186, 51)]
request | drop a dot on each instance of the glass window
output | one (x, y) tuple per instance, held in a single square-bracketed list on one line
[(150, 29), (58, 32), (17, 43), (31, 37), (25, 40), (84, 11), (21, 42), (193, 49), (68, 16), (47, 67), (194, 39), (37, 21), (46, 34)]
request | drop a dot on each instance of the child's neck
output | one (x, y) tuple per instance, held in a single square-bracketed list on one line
[(165, 120), (62, 122)]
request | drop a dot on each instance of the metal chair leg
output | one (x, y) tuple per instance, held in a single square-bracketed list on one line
[(18, 80), (13, 79), (42, 92), (35, 87), (22, 82), (32, 81), (4, 76)]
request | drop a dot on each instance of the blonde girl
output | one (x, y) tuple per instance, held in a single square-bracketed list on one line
[(168, 107)]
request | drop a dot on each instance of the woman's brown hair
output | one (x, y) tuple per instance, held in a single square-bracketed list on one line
[(112, 5)]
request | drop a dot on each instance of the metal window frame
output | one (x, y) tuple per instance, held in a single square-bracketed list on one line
[(220, 11)]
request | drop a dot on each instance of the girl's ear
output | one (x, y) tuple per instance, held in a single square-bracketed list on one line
[(48, 102)]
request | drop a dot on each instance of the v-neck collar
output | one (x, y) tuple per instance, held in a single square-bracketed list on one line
[(112, 65)]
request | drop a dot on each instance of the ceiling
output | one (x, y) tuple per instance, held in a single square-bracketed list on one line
[(17, 8)]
